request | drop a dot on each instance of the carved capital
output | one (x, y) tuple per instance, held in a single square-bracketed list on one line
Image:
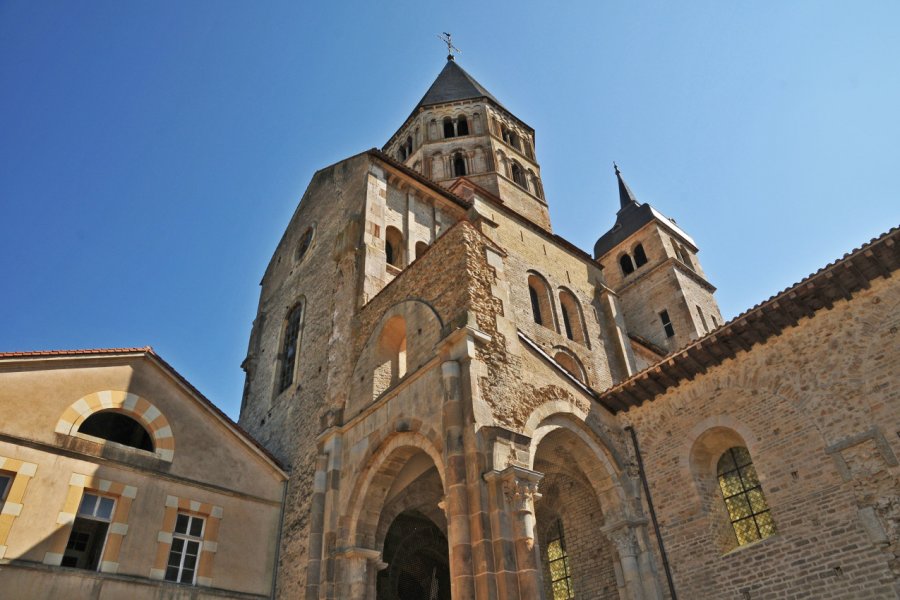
[(519, 486), (625, 540)]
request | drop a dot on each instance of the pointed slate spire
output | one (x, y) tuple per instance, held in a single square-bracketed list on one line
[(453, 84), (626, 196)]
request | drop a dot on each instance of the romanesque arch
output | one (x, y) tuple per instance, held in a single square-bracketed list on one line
[(128, 404)]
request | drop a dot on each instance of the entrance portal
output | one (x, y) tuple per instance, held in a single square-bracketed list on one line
[(418, 562)]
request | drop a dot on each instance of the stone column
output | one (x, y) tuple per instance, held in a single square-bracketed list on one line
[(516, 520), (316, 529), (456, 502), (357, 569), (638, 575)]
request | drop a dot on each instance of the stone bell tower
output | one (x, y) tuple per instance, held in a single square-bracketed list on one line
[(652, 265), (458, 129)]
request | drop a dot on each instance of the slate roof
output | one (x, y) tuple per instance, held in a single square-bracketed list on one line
[(453, 84), (632, 216)]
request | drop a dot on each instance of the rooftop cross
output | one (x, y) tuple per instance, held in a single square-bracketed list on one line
[(445, 37)]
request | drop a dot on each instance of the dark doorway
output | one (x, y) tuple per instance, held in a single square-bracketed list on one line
[(418, 559)]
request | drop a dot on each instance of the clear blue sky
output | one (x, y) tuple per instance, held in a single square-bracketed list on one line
[(151, 153)]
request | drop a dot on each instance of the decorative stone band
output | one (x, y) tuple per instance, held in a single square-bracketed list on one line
[(208, 548), (22, 473), (118, 528), (134, 406)]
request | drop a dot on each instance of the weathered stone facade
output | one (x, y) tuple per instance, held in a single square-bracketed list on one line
[(437, 396)]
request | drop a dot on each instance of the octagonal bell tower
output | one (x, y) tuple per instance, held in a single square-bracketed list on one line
[(459, 129)]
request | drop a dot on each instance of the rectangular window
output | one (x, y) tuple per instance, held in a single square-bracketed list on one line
[(85, 545), (667, 323), (186, 541), (5, 484), (702, 319)]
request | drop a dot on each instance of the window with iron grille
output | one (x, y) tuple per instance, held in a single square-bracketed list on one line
[(186, 541), (560, 571), (744, 500), (289, 348)]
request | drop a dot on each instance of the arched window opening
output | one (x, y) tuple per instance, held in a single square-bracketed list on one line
[(518, 175), (744, 500), (535, 305), (514, 140), (462, 125), (459, 165), (421, 247), (119, 428), (390, 361), (409, 146), (640, 257), (393, 246), (449, 132), (305, 243), (289, 348), (626, 264), (572, 318), (541, 303), (529, 151), (570, 364), (558, 557)]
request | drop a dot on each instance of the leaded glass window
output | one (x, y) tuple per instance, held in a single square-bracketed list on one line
[(560, 571), (747, 508)]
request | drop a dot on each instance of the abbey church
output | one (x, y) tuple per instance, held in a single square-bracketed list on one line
[(445, 399)]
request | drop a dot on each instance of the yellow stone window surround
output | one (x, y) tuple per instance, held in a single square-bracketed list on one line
[(22, 472), (213, 516), (118, 527)]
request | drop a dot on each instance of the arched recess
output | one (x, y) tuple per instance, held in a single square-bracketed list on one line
[(573, 317), (376, 482), (394, 337), (706, 452), (128, 404), (390, 355), (581, 497), (542, 309), (571, 363)]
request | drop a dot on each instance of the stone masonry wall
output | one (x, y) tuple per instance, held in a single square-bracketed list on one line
[(818, 408)]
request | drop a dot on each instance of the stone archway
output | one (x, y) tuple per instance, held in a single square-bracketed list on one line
[(398, 507), (417, 558), (591, 534)]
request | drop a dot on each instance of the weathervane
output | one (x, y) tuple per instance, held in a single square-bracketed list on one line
[(450, 47)]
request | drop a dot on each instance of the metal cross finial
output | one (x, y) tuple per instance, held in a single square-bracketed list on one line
[(445, 37)]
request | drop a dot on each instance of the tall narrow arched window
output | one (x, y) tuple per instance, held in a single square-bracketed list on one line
[(640, 257), (518, 175), (459, 165), (744, 500), (421, 247), (449, 132), (390, 364), (572, 320), (558, 558), (289, 348), (462, 125), (393, 246), (541, 303), (409, 146), (626, 264)]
